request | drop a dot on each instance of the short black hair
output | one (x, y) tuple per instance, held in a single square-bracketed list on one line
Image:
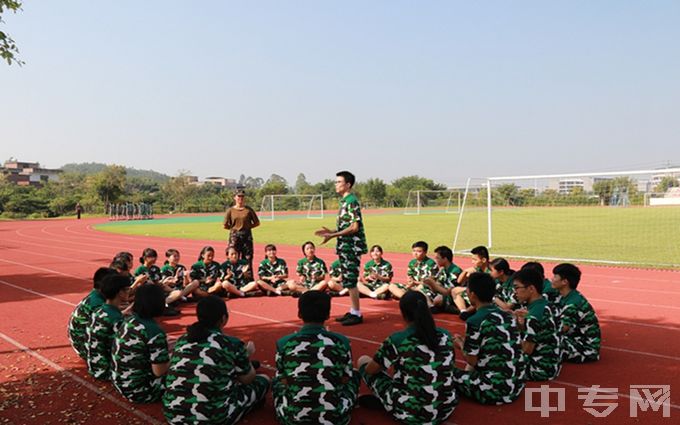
[(529, 277), (100, 274), (482, 285), (534, 265), (569, 272), (304, 245), (420, 244), (444, 252), (120, 264), (349, 177), (113, 284), (314, 306), (501, 265), (149, 301), (480, 251), (378, 247), (148, 253)]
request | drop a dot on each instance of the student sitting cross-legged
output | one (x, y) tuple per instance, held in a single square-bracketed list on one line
[(541, 342), (421, 388), (315, 382), (492, 347), (441, 285), (311, 271), (378, 273), (211, 379), (140, 349), (579, 327)]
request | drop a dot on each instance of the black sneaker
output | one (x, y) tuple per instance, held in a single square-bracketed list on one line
[(370, 401), (343, 318), (285, 292), (435, 309), (464, 315), (295, 294), (253, 294), (352, 320), (255, 363), (169, 312), (451, 309)]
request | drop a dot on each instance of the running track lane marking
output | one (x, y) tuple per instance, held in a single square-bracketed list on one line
[(81, 381)]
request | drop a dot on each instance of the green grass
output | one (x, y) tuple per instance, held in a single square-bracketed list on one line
[(643, 236)]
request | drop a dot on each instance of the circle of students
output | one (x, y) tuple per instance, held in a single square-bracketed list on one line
[(520, 327)]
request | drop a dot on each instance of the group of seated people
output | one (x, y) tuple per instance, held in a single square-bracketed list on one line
[(519, 327)]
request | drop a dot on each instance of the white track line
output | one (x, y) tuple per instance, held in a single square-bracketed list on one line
[(123, 405)]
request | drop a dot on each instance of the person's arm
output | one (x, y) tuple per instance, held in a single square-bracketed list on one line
[(159, 354), (254, 220), (160, 369), (242, 363), (327, 234), (227, 220)]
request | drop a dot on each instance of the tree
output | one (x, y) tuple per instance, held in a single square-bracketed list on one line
[(603, 189), (8, 48), (109, 185), (666, 183), (374, 192), (178, 190), (507, 193), (301, 185)]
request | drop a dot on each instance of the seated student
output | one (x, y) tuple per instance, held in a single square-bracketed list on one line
[(378, 273), (549, 293), (492, 348), (122, 263), (175, 275), (505, 290), (579, 327), (272, 272), (206, 272), (335, 288), (315, 382), (480, 264), (153, 274), (82, 314), (236, 276), (311, 271), (445, 280), (420, 268), (140, 349), (421, 388), (541, 342), (104, 325), (211, 379)]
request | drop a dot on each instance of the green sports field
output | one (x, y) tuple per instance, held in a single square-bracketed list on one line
[(642, 236)]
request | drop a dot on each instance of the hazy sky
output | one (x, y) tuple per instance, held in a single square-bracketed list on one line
[(444, 89)]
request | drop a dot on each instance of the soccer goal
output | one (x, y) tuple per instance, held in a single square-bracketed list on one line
[(613, 217), (433, 202), (308, 206)]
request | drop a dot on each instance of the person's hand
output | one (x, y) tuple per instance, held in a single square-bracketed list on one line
[(245, 268), (325, 233), (521, 312), (374, 276), (250, 348)]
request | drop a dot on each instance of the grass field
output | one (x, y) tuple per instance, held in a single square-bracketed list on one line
[(642, 236)]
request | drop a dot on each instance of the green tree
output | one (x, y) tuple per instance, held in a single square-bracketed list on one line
[(374, 192), (109, 185), (8, 48), (603, 189), (666, 183), (301, 185), (506, 194)]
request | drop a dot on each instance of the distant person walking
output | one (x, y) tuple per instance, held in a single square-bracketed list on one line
[(79, 210), (240, 220)]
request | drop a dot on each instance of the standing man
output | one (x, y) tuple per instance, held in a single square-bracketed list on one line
[(351, 244), (79, 210), (240, 220)]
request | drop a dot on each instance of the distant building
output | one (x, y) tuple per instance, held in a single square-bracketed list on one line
[(566, 186), (221, 181), (28, 173)]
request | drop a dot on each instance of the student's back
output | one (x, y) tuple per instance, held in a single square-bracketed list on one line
[(100, 334), (541, 329), (581, 343)]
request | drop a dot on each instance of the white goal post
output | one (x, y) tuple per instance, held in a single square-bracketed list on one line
[(433, 201), (311, 206), (610, 217)]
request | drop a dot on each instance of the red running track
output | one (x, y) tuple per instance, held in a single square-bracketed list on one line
[(46, 268)]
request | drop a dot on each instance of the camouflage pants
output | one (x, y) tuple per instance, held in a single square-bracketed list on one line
[(242, 241), (291, 412), (150, 393), (349, 266), (78, 343), (405, 408), (250, 395), (575, 350), (475, 385)]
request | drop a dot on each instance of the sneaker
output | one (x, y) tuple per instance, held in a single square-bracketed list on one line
[(334, 293), (285, 292), (253, 294), (435, 309), (343, 318), (384, 296), (169, 312), (255, 363), (352, 320), (464, 315), (451, 309), (370, 401), (296, 294)]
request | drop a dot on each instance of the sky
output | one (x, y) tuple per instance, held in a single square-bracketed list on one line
[(442, 89)]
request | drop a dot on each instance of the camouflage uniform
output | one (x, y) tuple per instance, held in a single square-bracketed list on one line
[(544, 363), (153, 273), (448, 278), (350, 248), (201, 385), (418, 271), (179, 271), (311, 270), (492, 335), (267, 269), (336, 269), (315, 382), (239, 277), (200, 271), (384, 269), (421, 390), (79, 320), (242, 242), (100, 333), (138, 344), (582, 342), (549, 293), (505, 291)]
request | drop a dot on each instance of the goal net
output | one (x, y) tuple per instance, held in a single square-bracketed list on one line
[(628, 217), (278, 206), (433, 202)]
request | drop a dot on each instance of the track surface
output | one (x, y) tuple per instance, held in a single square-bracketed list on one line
[(46, 269)]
